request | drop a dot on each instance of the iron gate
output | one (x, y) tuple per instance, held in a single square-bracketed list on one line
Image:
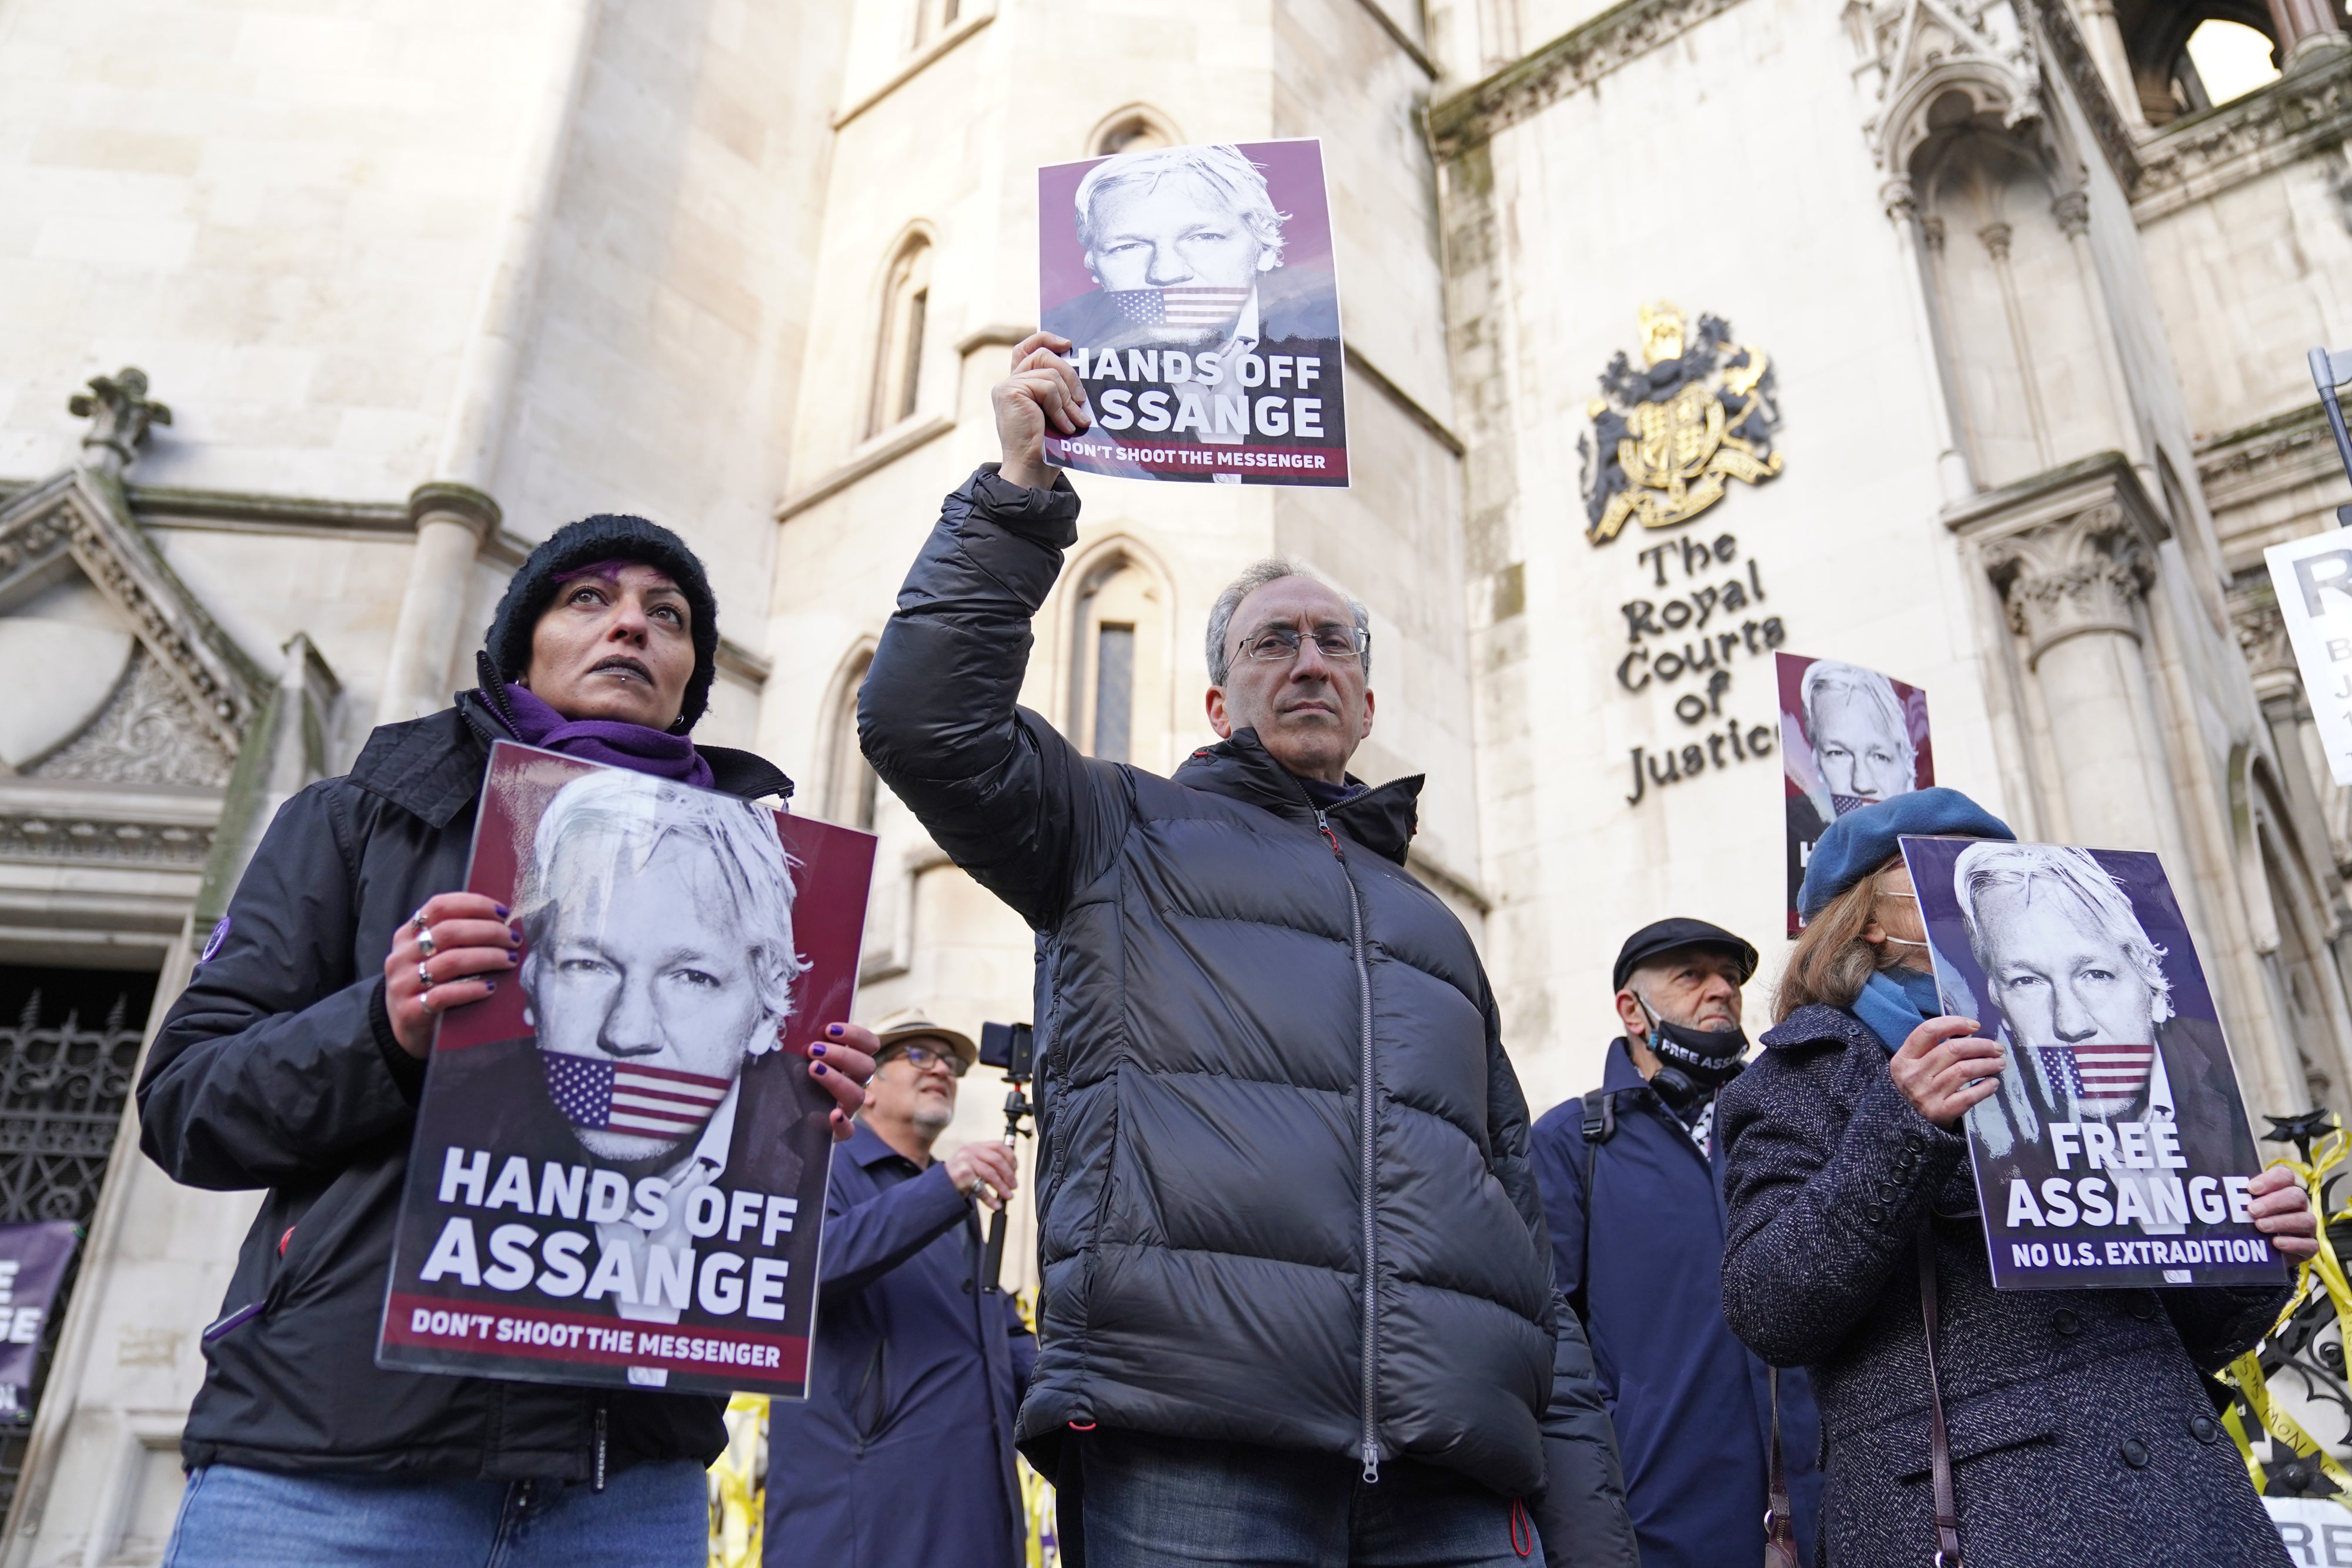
[(63, 1084)]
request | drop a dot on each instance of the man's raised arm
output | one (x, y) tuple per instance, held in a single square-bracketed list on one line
[(999, 789)]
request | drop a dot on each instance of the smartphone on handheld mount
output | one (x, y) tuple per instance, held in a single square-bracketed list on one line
[(1011, 1048)]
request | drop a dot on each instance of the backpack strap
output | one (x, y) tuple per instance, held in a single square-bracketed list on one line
[(1600, 1125)]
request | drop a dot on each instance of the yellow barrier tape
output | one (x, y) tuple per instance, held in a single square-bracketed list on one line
[(2245, 1374), (737, 1484), (2246, 1377), (1042, 1542)]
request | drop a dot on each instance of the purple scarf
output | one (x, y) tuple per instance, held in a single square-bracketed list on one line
[(610, 740)]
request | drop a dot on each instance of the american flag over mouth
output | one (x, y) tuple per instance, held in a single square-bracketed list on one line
[(659, 1101), (2103, 1079), (1186, 306)]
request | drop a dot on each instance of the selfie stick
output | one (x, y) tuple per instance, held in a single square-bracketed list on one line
[(1013, 1047), (2329, 371)]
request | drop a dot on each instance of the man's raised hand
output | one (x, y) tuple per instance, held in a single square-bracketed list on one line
[(1041, 395)]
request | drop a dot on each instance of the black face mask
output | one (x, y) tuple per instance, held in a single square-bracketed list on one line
[(1694, 1062)]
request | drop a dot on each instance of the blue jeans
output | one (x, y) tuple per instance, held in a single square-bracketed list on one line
[(1145, 1501), (648, 1516)]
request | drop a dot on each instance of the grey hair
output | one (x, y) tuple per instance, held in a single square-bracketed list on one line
[(1875, 689), (1994, 863), (1273, 568), (633, 816), (1223, 168)]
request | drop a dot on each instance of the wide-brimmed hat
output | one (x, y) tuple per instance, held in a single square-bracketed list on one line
[(909, 1024)]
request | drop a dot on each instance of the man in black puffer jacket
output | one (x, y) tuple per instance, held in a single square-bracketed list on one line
[(1265, 1335)]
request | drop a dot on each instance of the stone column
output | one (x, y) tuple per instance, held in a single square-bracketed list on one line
[(2305, 27), (2105, 37), (1921, 242), (2072, 586), (2073, 211), (452, 521)]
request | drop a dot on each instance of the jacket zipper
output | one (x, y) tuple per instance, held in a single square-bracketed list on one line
[(1367, 1110), (601, 1402)]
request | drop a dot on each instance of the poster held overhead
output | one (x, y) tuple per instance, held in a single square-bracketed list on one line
[(1850, 738), (1197, 289), (619, 1165), (2117, 1153)]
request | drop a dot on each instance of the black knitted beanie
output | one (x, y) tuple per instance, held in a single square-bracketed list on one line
[(608, 537)]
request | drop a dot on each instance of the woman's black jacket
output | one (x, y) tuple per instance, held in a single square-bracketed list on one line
[(2082, 1429), (277, 1068)]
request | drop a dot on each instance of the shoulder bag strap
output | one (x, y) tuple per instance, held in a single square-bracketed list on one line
[(1779, 1514), (1939, 1442)]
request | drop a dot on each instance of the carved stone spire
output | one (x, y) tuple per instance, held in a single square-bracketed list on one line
[(120, 414)]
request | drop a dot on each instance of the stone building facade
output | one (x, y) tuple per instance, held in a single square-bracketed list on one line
[(419, 283)]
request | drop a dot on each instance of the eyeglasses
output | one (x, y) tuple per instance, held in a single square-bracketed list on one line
[(925, 1057), (1281, 643)]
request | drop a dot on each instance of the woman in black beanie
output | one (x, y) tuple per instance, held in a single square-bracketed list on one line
[(293, 1062), (2079, 1425)]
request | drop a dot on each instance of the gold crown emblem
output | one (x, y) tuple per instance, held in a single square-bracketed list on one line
[(1662, 333)]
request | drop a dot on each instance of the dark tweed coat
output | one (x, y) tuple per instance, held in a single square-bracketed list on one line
[(2082, 1429)]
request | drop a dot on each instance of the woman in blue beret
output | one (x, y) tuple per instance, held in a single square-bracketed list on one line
[(2081, 1423)]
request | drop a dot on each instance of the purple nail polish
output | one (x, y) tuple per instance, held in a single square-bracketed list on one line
[(817, 1067), (489, 985), (833, 1031), (816, 1048), (502, 909)]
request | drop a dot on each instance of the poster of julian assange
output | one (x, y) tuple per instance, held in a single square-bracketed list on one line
[(2116, 1152), (619, 1169), (1850, 738), (1197, 289)]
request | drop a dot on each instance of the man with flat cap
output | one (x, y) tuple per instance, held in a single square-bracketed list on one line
[(1633, 1185), (903, 1451)]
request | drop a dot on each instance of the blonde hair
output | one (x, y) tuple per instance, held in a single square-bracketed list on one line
[(1831, 963)]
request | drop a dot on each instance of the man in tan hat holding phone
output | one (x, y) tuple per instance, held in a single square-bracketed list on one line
[(903, 1452)]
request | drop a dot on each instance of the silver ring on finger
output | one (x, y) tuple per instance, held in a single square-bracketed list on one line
[(425, 945), (417, 922), (423, 976)]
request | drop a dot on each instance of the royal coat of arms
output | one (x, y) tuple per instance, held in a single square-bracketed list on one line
[(1665, 438)]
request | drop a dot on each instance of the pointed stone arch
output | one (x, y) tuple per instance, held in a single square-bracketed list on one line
[(186, 669), (1118, 584), (849, 791)]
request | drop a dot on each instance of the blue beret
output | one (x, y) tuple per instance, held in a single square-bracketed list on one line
[(1859, 843)]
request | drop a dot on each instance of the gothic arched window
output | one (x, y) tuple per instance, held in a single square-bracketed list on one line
[(1118, 676), (1134, 129), (899, 349), (853, 790), (933, 18), (2188, 56)]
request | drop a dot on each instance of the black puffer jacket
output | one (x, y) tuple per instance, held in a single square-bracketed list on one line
[(277, 1068), (2081, 1428), (1233, 987)]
